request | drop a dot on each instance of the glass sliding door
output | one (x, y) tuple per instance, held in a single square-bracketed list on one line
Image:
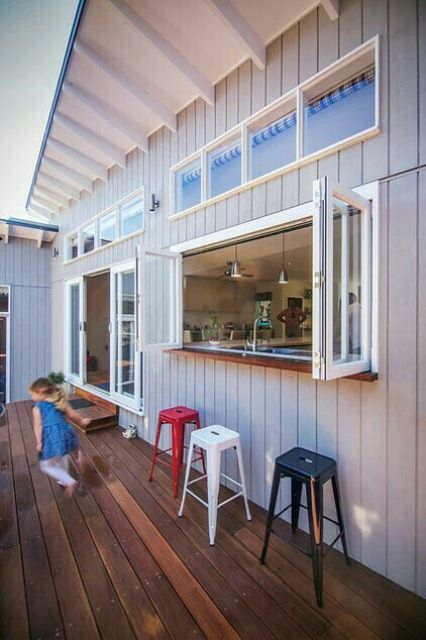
[(125, 361), (76, 329)]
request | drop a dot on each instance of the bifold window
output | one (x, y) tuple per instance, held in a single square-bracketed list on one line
[(301, 293), (334, 108), (124, 219)]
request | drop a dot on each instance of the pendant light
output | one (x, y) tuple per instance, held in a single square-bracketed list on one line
[(235, 267), (283, 277)]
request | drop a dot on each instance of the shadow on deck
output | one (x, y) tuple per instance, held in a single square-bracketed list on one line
[(116, 562)]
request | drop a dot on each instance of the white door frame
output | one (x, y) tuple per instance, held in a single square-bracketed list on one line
[(6, 314), (71, 377)]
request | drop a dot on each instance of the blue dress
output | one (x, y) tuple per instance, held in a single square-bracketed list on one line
[(58, 436)]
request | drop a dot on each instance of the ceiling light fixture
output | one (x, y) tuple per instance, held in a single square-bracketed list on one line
[(235, 267), (283, 277)]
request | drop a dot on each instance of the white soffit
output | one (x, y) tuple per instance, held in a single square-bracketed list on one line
[(134, 64)]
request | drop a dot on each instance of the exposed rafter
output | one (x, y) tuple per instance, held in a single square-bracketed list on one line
[(156, 107), (109, 114), (86, 163), (40, 236), (59, 186), (240, 29), (183, 66), (51, 195), (331, 7), (5, 231), (105, 147), (39, 211), (77, 179), (49, 206)]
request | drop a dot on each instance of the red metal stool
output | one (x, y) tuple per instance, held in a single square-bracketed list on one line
[(177, 417)]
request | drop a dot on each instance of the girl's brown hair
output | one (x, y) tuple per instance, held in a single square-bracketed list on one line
[(52, 392)]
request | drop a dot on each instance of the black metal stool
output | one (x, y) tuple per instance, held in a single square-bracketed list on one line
[(312, 470)]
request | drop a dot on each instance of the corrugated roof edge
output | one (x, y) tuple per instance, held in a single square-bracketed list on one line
[(64, 67)]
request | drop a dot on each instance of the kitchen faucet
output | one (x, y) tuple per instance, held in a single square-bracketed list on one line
[(261, 317)]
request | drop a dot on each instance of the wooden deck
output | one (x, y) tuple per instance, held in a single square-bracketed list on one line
[(116, 562)]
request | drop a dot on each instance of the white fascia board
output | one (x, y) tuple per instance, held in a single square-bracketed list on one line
[(95, 140), (241, 30), (156, 107), (182, 65), (92, 166), (109, 114), (77, 179)]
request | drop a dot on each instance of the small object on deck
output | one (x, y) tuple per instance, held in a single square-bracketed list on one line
[(130, 432), (3, 414), (312, 470), (213, 440), (177, 417)]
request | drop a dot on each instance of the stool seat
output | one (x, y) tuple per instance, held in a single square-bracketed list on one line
[(307, 464), (215, 436), (183, 414)]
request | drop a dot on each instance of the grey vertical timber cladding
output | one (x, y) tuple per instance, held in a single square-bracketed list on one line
[(27, 270), (376, 431)]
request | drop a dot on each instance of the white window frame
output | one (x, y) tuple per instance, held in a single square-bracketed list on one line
[(138, 194), (347, 61), (71, 377), (7, 315), (294, 215), (174, 307), (122, 399), (324, 366)]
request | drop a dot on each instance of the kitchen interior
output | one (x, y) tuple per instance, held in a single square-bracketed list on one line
[(254, 296)]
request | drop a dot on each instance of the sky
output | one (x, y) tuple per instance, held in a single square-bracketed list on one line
[(33, 39)]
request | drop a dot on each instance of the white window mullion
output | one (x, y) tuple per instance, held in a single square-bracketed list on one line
[(245, 154), (345, 285), (299, 123)]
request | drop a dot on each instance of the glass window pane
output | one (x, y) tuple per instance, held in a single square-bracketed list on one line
[(347, 283), (132, 217), (88, 238), (75, 329), (188, 186), (340, 113), (224, 167), (107, 228), (160, 316), (4, 299), (273, 146), (73, 247), (125, 334)]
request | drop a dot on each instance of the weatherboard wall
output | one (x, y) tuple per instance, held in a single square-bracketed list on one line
[(27, 270), (376, 431)]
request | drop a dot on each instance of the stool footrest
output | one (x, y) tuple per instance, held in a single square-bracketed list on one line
[(197, 479), (194, 495), (236, 495), (232, 480)]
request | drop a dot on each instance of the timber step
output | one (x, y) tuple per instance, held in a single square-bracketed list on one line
[(102, 412)]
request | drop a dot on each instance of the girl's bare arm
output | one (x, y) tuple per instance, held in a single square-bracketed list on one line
[(38, 428), (74, 417)]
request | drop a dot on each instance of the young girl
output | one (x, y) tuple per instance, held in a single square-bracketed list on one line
[(55, 437)]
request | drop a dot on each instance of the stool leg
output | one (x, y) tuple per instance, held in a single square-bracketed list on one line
[(176, 456), (272, 503), (337, 502), (315, 511), (157, 440), (198, 426), (213, 477), (243, 479), (296, 494), (188, 471)]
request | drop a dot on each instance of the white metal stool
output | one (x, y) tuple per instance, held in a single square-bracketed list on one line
[(214, 440)]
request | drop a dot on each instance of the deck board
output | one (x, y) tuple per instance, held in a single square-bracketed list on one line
[(116, 562)]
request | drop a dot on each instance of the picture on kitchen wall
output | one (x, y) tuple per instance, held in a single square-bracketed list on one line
[(295, 301), (264, 308)]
